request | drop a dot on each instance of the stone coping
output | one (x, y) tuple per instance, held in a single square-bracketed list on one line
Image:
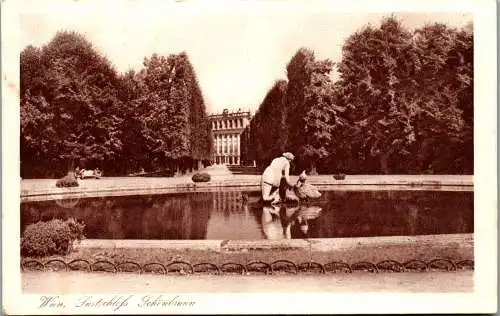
[(316, 245), (45, 189)]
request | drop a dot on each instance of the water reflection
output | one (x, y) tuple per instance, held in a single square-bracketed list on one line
[(239, 215), (131, 217), (286, 222), (276, 225), (231, 217)]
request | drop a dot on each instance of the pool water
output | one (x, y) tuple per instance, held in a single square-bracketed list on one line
[(239, 215)]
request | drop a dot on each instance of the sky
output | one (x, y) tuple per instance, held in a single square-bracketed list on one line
[(237, 54)]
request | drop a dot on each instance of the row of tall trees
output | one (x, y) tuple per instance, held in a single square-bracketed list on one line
[(76, 110), (403, 103)]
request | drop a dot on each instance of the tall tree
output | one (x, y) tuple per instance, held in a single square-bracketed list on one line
[(134, 155), (444, 78), (312, 112), (200, 129), (377, 65), (176, 126), (399, 89), (76, 90), (267, 133)]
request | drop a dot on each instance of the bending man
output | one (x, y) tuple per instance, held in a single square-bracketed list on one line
[(271, 178)]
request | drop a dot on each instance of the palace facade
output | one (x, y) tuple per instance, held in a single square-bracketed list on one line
[(226, 130)]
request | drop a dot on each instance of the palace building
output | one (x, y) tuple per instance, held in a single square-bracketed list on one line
[(226, 130)]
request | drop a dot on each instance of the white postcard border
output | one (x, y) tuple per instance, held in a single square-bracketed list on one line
[(483, 299)]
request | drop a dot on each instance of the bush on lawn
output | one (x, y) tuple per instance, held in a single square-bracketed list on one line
[(201, 177), (54, 237), (67, 181), (339, 176)]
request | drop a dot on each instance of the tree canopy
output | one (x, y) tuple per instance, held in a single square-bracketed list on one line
[(77, 110), (402, 104)]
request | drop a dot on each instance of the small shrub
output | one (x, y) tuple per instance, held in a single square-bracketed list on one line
[(201, 177), (54, 237), (67, 181), (339, 176)]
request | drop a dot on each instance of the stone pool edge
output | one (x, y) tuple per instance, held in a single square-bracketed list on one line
[(312, 245)]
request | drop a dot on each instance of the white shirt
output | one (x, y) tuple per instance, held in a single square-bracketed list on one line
[(279, 167)]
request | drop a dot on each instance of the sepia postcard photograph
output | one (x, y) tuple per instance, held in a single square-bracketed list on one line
[(187, 157)]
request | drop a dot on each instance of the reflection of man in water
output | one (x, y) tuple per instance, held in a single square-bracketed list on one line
[(277, 222), (273, 225)]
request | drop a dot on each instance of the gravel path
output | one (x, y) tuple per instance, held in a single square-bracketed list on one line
[(221, 177), (80, 282)]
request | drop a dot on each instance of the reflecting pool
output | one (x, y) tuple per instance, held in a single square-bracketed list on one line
[(239, 215)]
